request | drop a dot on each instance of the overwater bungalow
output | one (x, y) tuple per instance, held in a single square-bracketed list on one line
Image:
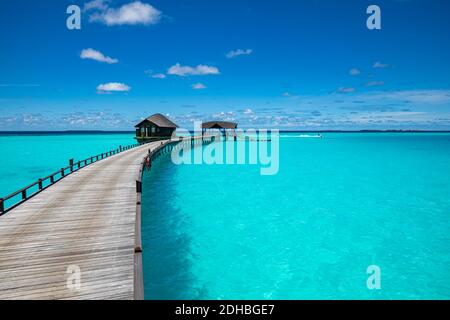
[(223, 126), (155, 127)]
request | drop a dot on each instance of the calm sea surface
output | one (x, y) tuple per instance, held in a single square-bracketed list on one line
[(337, 205)]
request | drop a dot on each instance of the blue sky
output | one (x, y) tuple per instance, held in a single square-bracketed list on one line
[(309, 64)]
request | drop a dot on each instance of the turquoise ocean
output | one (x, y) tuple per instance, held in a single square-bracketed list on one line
[(24, 158), (337, 205)]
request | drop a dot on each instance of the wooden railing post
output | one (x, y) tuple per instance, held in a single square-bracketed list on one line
[(2, 206), (24, 194), (62, 172), (71, 165), (138, 186), (40, 184)]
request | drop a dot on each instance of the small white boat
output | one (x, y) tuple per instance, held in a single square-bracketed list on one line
[(317, 136)]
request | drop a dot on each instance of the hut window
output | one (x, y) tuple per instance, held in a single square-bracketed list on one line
[(153, 129)]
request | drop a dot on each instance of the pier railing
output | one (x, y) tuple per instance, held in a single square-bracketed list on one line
[(18, 197), (146, 162)]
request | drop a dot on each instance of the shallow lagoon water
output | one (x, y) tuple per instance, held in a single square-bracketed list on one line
[(25, 158), (337, 205)]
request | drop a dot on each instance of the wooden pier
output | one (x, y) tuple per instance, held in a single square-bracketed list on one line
[(89, 221)]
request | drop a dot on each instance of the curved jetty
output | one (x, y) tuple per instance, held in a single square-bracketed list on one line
[(88, 222)]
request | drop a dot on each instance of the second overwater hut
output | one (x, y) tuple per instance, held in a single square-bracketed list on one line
[(225, 127)]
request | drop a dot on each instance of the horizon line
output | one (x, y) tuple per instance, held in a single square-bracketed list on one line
[(280, 130)]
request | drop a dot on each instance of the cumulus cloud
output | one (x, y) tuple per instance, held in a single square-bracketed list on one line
[(113, 86), (150, 73), (199, 70), (224, 116), (198, 86), (354, 72), (87, 120), (97, 56), (24, 120), (96, 5), (380, 65), (238, 52), (133, 13), (159, 76), (92, 120)]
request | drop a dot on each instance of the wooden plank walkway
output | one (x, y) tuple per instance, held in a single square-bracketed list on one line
[(87, 220)]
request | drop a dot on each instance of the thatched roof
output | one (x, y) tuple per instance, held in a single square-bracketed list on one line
[(159, 120), (219, 125)]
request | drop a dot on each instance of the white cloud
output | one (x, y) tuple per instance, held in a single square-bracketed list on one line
[(238, 52), (199, 70), (198, 86), (112, 86), (96, 5), (129, 14), (155, 75), (354, 72), (248, 111), (378, 64), (224, 116), (97, 56), (346, 90), (286, 94), (420, 96)]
